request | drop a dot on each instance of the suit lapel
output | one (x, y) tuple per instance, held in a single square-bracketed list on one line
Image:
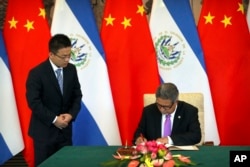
[(158, 123), (51, 74), (66, 80), (177, 117)]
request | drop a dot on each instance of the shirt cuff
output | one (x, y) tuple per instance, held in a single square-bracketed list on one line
[(170, 141), (54, 120)]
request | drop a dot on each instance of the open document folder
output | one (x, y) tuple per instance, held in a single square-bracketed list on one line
[(173, 147)]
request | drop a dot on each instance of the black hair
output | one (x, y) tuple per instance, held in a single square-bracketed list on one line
[(59, 41)]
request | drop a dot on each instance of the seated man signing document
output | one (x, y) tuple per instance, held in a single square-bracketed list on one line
[(169, 120)]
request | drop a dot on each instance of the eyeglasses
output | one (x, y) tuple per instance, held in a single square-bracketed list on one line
[(63, 57), (164, 107)]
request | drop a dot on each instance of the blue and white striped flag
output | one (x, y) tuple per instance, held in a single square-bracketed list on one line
[(179, 54), (11, 140), (96, 124)]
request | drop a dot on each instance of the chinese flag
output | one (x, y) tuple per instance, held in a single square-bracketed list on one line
[(26, 35), (131, 61), (226, 43)]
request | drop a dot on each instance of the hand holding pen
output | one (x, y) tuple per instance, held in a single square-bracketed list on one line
[(140, 139)]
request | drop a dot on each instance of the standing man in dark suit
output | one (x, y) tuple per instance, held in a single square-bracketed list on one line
[(53, 109), (185, 126)]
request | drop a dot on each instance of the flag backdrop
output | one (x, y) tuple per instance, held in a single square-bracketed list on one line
[(131, 61), (179, 54), (226, 44), (11, 140), (96, 123), (26, 34)]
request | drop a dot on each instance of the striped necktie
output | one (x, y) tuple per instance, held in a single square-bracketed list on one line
[(60, 78)]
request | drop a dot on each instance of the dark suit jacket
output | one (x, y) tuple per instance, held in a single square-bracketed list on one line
[(186, 127), (46, 101)]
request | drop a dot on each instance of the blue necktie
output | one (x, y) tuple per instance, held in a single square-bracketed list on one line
[(60, 79), (167, 126)]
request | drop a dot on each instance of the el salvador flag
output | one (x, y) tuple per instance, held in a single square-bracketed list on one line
[(11, 141), (96, 123), (179, 54)]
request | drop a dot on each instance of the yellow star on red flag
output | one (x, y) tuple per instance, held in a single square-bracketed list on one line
[(209, 18), (126, 23), (13, 23), (140, 9), (42, 12), (29, 25), (109, 20), (226, 21)]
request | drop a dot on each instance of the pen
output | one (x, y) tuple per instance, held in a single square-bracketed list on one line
[(141, 135)]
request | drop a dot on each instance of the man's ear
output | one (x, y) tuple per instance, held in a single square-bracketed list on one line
[(51, 54)]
